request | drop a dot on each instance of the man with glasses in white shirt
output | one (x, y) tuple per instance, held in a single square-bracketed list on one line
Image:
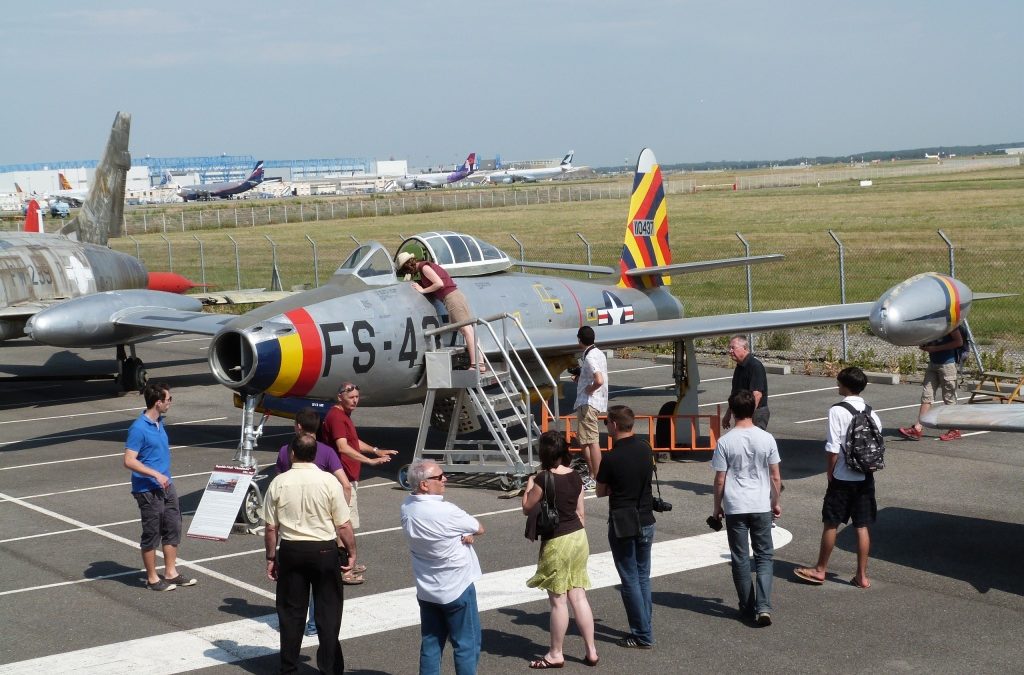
[(441, 537)]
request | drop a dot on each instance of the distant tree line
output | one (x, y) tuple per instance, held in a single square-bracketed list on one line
[(881, 155)]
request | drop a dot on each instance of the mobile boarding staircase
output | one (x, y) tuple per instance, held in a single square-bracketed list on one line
[(485, 417)]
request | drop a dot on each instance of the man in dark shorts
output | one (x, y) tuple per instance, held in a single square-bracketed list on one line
[(749, 374), (850, 494), (147, 454)]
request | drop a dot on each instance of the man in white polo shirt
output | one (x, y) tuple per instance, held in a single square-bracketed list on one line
[(440, 537)]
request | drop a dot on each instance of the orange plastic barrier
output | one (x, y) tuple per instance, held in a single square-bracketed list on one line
[(706, 426)]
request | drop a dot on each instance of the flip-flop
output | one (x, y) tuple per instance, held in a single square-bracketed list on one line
[(805, 574), (853, 582), (587, 660), (544, 664), (359, 569)]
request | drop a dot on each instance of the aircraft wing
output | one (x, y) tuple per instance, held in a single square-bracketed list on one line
[(23, 310), (251, 295), (175, 320), (560, 341), (980, 417)]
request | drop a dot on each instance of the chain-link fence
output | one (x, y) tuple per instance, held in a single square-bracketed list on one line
[(186, 218)]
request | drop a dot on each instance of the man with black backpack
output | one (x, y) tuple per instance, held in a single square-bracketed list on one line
[(851, 491)]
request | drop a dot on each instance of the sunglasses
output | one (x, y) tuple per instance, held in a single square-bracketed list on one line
[(349, 389), (438, 477)]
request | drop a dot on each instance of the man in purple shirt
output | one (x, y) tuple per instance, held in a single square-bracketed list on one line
[(308, 422)]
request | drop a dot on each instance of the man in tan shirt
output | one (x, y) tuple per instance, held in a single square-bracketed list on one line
[(305, 511)]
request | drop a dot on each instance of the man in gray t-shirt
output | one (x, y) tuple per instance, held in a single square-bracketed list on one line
[(747, 489)]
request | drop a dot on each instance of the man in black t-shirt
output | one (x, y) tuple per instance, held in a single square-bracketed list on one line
[(749, 374), (625, 478)]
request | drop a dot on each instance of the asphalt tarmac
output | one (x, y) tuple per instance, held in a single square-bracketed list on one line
[(946, 595)]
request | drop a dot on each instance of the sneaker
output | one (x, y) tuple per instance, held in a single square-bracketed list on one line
[(590, 485), (310, 629), (950, 435), (764, 619), (162, 585), (910, 433), (632, 643), (182, 580)]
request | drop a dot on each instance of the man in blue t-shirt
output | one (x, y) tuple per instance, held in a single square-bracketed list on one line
[(147, 454), (747, 492), (941, 372)]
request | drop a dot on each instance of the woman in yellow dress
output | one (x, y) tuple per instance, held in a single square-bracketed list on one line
[(562, 566)]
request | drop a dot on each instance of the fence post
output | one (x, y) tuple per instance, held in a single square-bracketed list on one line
[(522, 251), (316, 262), (275, 276), (170, 260), (949, 247), (145, 228), (842, 287), (200, 221), (750, 287), (238, 263), (218, 219), (352, 237), (202, 259), (587, 244), (138, 252), (967, 327)]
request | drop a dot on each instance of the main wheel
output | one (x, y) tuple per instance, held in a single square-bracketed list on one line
[(403, 477), (252, 505), (509, 482)]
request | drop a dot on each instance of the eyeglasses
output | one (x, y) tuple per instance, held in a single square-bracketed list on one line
[(349, 389), (438, 477), (608, 422)]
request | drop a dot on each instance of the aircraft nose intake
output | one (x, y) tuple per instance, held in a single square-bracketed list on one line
[(237, 361)]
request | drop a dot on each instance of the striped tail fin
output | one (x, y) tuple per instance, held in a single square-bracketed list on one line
[(65, 184), (646, 243)]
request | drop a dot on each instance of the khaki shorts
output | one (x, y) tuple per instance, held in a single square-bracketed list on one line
[(458, 308), (939, 375), (353, 507), (587, 432)]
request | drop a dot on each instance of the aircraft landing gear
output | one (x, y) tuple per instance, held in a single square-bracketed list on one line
[(252, 507), (131, 372)]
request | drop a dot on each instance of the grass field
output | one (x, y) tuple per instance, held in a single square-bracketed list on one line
[(889, 232)]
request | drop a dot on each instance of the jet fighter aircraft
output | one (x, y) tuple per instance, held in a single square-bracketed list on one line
[(369, 327), (38, 270)]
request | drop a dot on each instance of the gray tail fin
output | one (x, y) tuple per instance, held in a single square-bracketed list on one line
[(102, 213)]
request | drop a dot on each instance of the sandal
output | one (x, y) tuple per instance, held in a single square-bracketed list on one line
[(351, 578), (544, 664), (358, 569)]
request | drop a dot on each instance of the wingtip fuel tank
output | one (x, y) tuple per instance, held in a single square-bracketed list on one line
[(921, 309)]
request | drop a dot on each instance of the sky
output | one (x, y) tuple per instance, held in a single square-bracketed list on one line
[(529, 79)]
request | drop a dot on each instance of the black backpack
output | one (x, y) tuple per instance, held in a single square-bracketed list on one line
[(863, 446), (960, 353)]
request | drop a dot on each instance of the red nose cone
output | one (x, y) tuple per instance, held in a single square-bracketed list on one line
[(169, 282)]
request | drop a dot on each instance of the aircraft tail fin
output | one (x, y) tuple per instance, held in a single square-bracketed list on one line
[(567, 160), (256, 177), (646, 243), (167, 181), (470, 163), (65, 184), (33, 218), (102, 213), (18, 190)]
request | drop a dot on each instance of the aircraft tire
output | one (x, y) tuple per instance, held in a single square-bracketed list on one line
[(403, 477), (252, 505), (663, 427), (132, 375)]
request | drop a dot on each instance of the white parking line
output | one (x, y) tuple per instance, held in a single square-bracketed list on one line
[(70, 415), (881, 410), (367, 615)]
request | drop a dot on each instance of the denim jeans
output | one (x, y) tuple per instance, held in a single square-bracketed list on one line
[(759, 528), (632, 558), (459, 621)]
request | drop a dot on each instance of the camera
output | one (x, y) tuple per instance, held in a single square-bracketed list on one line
[(714, 523), (575, 371), (660, 505)]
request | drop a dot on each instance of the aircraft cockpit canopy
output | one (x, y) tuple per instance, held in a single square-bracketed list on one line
[(461, 255), (371, 263)]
